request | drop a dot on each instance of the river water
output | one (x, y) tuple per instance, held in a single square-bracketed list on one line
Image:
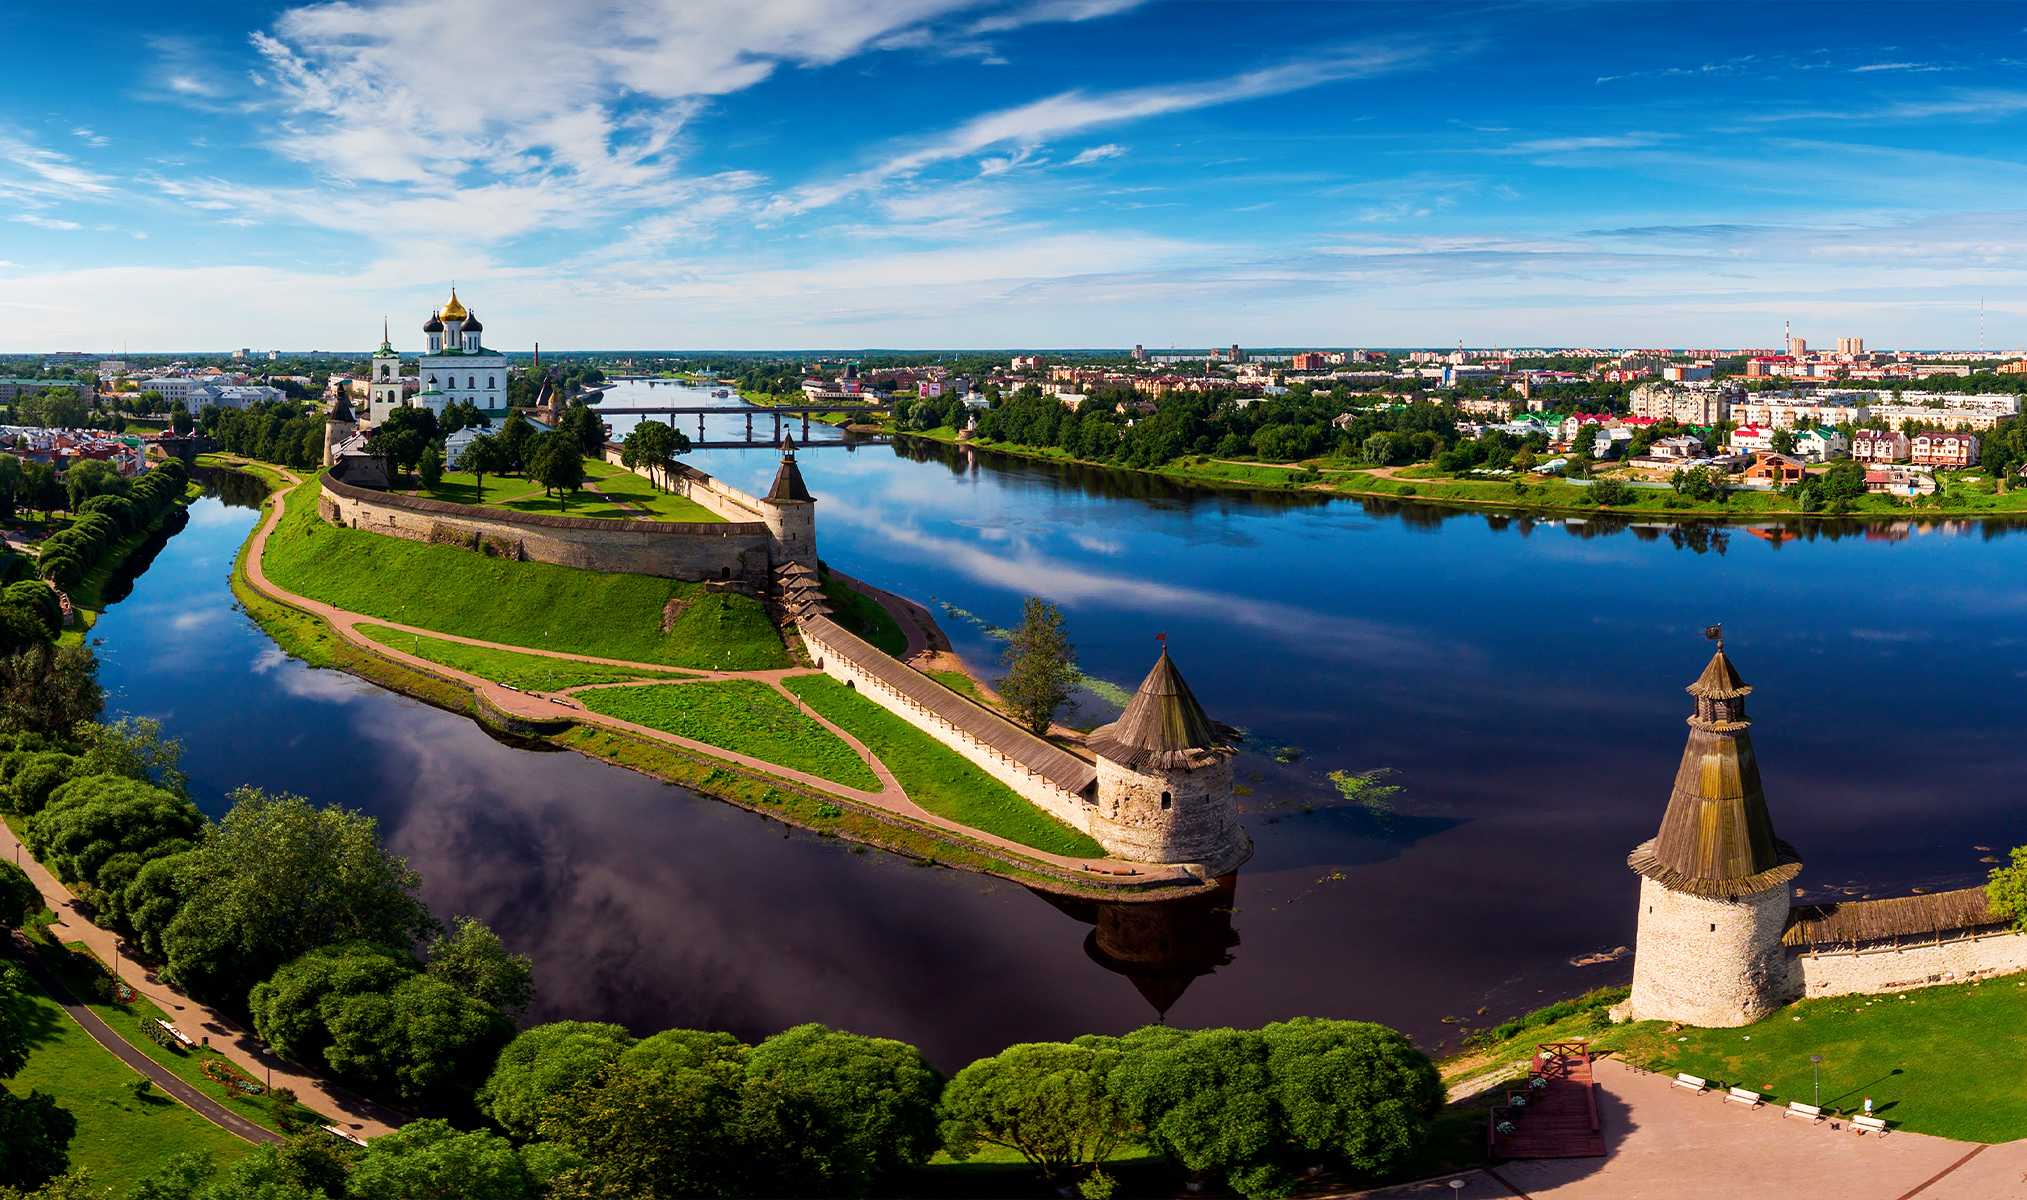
[(1523, 680)]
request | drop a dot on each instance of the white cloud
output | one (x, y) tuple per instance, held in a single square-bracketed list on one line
[(90, 138), (1098, 154), (44, 222)]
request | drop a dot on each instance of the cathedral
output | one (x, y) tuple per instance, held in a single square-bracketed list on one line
[(456, 366)]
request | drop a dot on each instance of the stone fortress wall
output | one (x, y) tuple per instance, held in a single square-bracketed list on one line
[(1970, 956), (692, 551), (793, 527)]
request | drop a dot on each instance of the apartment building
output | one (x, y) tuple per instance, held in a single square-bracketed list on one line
[(1944, 449), (1879, 446)]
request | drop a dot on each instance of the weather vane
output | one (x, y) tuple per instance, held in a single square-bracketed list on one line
[(1715, 633), (1162, 637)]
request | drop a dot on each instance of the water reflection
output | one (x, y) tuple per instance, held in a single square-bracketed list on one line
[(1160, 946)]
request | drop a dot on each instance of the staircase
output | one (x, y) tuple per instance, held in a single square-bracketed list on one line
[(797, 592), (1556, 1114)]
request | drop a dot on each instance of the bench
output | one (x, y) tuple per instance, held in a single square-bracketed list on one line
[(1859, 1125), (179, 1035), (1694, 1083), (1798, 1109), (338, 1131), (1749, 1099)]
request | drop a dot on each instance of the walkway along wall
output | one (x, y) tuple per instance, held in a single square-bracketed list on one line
[(689, 550)]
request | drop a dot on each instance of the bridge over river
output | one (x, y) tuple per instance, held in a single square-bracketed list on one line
[(702, 411)]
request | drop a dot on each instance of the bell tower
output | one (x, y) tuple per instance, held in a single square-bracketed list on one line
[(1714, 882)]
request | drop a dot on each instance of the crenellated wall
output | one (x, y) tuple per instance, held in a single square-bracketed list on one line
[(692, 551)]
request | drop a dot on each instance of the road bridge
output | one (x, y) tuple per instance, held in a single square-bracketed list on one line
[(702, 411)]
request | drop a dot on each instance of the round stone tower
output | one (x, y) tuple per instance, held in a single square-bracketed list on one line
[(341, 424), (1714, 883), (1165, 780), (791, 513)]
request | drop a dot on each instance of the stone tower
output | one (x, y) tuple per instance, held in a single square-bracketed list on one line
[(1714, 883), (341, 424), (1165, 780), (791, 512)]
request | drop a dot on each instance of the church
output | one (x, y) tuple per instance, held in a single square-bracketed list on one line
[(456, 366)]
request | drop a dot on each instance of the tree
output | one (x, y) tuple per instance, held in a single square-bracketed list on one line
[(10, 483), (483, 456), (56, 408), (653, 447), (180, 420), (1611, 492), (1783, 441), (1697, 483), (557, 466), (135, 748), (41, 488), (91, 477), (1356, 1091), (17, 1030), (514, 436), (49, 689), (280, 876), (584, 429), (1041, 666), (875, 1099), (1844, 480), (403, 436), (1206, 1100), (2006, 889), (543, 1063), (20, 899), (651, 1135), (474, 960), (35, 1136), (430, 466), (1048, 1101), (431, 1160), (92, 821)]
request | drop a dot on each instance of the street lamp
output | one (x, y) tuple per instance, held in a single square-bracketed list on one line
[(1817, 1060)]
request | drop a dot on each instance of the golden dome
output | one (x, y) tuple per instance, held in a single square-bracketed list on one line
[(453, 311)]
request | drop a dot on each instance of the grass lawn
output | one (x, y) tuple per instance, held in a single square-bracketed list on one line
[(508, 667), (121, 1139), (864, 616), (957, 681), (511, 491), (517, 603), (638, 492), (744, 716), (939, 778)]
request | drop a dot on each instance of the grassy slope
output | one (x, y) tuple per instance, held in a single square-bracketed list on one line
[(864, 616), (505, 666), (517, 603), (957, 681), (744, 716), (937, 777), (119, 1138)]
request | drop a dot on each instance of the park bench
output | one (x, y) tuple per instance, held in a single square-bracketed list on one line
[(338, 1131), (1859, 1125), (1749, 1099), (1798, 1109), (1694, 1083)]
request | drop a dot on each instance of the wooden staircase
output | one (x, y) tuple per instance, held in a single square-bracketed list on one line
[(1556, 1114)]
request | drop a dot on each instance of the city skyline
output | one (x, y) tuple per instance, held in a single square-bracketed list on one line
[(1063, 173)]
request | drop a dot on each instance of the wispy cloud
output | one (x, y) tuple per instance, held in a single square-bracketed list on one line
[(1098, 154), (90, 138), (44, 222)]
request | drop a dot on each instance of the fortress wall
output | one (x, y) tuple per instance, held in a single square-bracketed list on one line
[(1891, 969), (793, 526), (671, 549), (1708, 961), (836, 661)]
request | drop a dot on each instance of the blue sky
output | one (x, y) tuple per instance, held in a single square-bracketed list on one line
[(922, 173)]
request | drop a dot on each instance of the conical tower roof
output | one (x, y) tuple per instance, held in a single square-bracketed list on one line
[(341, 411), (788, 486), (1717, 838), (1163, 725)]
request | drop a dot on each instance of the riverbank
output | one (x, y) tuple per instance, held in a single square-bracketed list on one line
[(323, 636), (1965, 495)]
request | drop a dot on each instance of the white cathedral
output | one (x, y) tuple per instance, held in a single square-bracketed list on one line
[(455, 367)]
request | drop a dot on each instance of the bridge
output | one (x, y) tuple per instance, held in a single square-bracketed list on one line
[(700, 412)]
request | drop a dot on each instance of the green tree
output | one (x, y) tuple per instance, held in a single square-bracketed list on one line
[(10, 483), (35, 1137), (404, 435), (653, 447), (1611, 492), (1206, 1100), (20, 899), (49, 689), (1048, 1101), (41, 488), (135, 748), (156, 894), (1041, 666), (543, 1063), (863, 1108), (483, 456), (472, 958), (557, 466), (430, 466), (1355, 1091), (17, 1032), (583, 427), (2006, 889), (280, 876), (431, 1160), (651, 1135), (180, 420), (92, 477), (515, 433), (56, 408), (1697, 483), (94, 820), (1783, 441), (1844, 480)]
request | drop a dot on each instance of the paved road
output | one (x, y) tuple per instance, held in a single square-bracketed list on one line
[(211, 1110)]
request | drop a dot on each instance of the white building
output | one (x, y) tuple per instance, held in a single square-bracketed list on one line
[(383, 384), (1821, 445), (456, 366)]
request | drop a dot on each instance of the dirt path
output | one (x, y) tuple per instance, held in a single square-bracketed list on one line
[(542, 706)]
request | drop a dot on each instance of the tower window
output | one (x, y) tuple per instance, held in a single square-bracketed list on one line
[(471, 382), (1713, 928), (489, 382), (1164, 801)]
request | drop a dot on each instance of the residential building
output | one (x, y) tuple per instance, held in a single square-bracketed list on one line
[(1821, 445), (1029, 362), (1775, 470), (1879, 445), (1899, 481), (1785, 413), (1139, 353), (1849, 345), (929, 387), (1704, 405), (13, 389), (1752, 439), (1944, 449), (1678, 373), (1797, 347), (1681, 447), (1486, 408), (1609, 443), (1311, 362)]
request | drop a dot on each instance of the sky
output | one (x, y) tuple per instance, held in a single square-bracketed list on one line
[(927, 174)]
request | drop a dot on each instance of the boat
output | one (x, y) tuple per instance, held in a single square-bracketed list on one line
[(720, 394)]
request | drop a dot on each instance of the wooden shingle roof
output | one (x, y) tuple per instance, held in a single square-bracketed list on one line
[(1058, 766), (1163, 725), (1903, 918)]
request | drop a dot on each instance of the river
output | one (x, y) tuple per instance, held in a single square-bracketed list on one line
[(1523, 680)]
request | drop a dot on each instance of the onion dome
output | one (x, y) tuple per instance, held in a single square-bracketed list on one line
[(454, 311), (1716, 838), (434, 324), (472, 324), (1163, 726)]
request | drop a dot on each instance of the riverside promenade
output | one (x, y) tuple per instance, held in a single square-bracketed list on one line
[(1663, 1142)]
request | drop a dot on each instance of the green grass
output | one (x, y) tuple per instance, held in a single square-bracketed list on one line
[(937, 777), (517, 603), (501, 491), (744, 716), (864, 616), (507, 666), (638, 492), (957, 681), (119, 1138)]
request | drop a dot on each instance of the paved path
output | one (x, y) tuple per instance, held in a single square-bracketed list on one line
[(543, 706), (211, 1110), (343, 1108), (1666, 1143)]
